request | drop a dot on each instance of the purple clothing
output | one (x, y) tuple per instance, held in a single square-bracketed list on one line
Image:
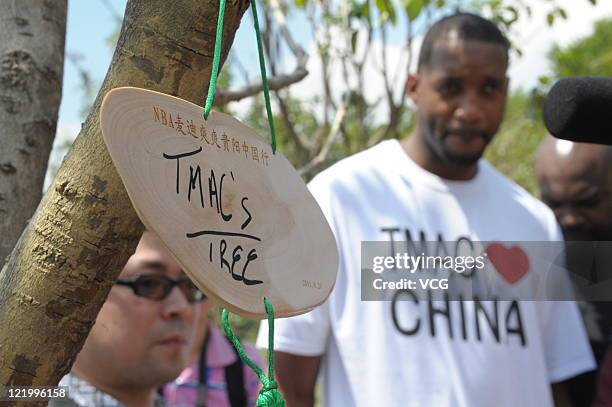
[(183, 391)]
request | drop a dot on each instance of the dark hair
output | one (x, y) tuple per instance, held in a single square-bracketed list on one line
[(469, 27)]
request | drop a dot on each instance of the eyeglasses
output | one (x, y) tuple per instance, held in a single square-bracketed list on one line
[(156, 287)]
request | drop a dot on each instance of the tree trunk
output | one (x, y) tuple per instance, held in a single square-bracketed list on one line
[(31, 67), (64, 264)]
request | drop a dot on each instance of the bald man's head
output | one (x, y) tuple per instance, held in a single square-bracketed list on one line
[(576, 182)]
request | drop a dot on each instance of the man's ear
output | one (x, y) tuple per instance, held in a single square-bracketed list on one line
[(412, 85)]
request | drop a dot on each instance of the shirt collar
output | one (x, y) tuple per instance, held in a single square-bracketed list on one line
[(85, 394)]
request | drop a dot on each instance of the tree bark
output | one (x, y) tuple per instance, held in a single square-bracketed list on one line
[(31, 67), (64, 264)]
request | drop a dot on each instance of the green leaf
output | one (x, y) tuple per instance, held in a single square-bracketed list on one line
[(495, 4), (413, 8), (550, 18), (365, 10), (514, 15), (356, 10), (387, 11), (354, 41), (562, 13), (332, 19), (544, 80), (301, 3)]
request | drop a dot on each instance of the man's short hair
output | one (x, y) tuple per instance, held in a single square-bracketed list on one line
[(468, 26)]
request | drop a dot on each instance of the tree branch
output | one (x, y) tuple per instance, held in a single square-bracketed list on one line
[(278, 82), (297, 51), (333, 135), (395, 113), (385, 68)]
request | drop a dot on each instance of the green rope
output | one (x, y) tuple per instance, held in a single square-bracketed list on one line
[(262, 65), (264, 78), (212, 85), (269, 396)]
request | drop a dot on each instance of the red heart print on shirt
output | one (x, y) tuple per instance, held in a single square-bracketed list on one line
[(511, 263)]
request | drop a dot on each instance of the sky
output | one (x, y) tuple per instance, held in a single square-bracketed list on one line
[(91, 22)]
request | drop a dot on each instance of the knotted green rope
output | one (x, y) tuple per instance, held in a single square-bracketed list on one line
[(269, 396), (262, 66)]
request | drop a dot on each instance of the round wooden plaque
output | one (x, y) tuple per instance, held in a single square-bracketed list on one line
[(237, 218)]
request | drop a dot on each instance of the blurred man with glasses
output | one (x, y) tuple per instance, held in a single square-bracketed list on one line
[(142, 335)]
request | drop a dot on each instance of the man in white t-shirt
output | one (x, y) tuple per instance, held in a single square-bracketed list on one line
[(433, 186)]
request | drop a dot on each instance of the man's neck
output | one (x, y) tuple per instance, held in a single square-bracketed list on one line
[(416, 149)]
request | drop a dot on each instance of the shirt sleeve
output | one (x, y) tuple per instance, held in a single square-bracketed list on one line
[(303, 335), (566, 347)]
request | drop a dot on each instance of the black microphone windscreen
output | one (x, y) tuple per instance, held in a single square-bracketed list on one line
[(577, 109)]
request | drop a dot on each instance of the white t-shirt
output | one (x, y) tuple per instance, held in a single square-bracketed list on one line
[(407, 353)]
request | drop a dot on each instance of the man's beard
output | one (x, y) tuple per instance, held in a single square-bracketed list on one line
[(438, 147), (460, 160)]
